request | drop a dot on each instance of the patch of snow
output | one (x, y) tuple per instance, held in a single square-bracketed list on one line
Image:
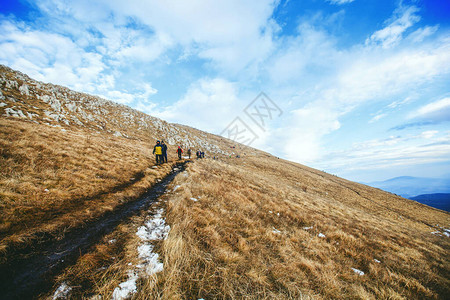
[(62, 291), (46, 190), (307, 228), (321, 235), (154, 229), (446, 233), (270, 212), (176, 187), (376, 260), (436, 233), (359, 272), (151, 260), (127, 288), (194, 199), (274, 230), (2, 104)]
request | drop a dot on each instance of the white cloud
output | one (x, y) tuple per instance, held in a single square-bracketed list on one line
[(310, 49), (437, 111), (232, 34), (48, 56), (428, 134), (377, 117), (209, 104), (390, 152), (350, 79), (140, 97), (340, 2), (404, 18), (420, 34), (376, 74), (396, 104), (301, 133)]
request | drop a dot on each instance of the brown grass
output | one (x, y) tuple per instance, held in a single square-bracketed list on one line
[(229, 245), (249, 236), (52, 180)]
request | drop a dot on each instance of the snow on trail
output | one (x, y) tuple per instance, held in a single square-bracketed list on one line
[(153, 230), (62, 291)]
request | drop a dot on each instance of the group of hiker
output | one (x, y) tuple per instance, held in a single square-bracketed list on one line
[(160, 151)]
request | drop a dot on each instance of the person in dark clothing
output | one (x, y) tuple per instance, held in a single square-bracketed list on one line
[(157, 150), (164, 151), (179, 151), (203, 154), (189, 153), (198, 154)]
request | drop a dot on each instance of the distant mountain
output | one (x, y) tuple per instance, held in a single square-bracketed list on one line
[(439, 200), (408, 186)]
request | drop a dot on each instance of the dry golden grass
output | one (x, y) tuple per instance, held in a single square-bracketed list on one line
[(254, 234), (51, 180), (248, 237)]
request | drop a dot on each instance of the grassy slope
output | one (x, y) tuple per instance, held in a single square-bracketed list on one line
[(51, 180), (247, 236)]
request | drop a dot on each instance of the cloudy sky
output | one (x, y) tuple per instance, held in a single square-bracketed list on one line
[(361, 87)]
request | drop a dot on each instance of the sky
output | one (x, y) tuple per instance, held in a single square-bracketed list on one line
[(357, 88)]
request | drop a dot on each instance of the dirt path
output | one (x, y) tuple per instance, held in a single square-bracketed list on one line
[(30, 274)]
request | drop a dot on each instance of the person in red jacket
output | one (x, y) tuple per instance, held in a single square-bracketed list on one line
[(179, 151)]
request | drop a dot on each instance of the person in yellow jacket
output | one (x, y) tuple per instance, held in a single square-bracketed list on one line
[(158, 151)]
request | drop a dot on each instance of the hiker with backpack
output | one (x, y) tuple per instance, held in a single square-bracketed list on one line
[(179, 151), (158, 151), (164, 151), (189, 153)]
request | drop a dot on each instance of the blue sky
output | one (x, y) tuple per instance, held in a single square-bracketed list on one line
[(363, 86)]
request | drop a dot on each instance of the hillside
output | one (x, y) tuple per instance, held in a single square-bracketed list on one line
[(250, 227)]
